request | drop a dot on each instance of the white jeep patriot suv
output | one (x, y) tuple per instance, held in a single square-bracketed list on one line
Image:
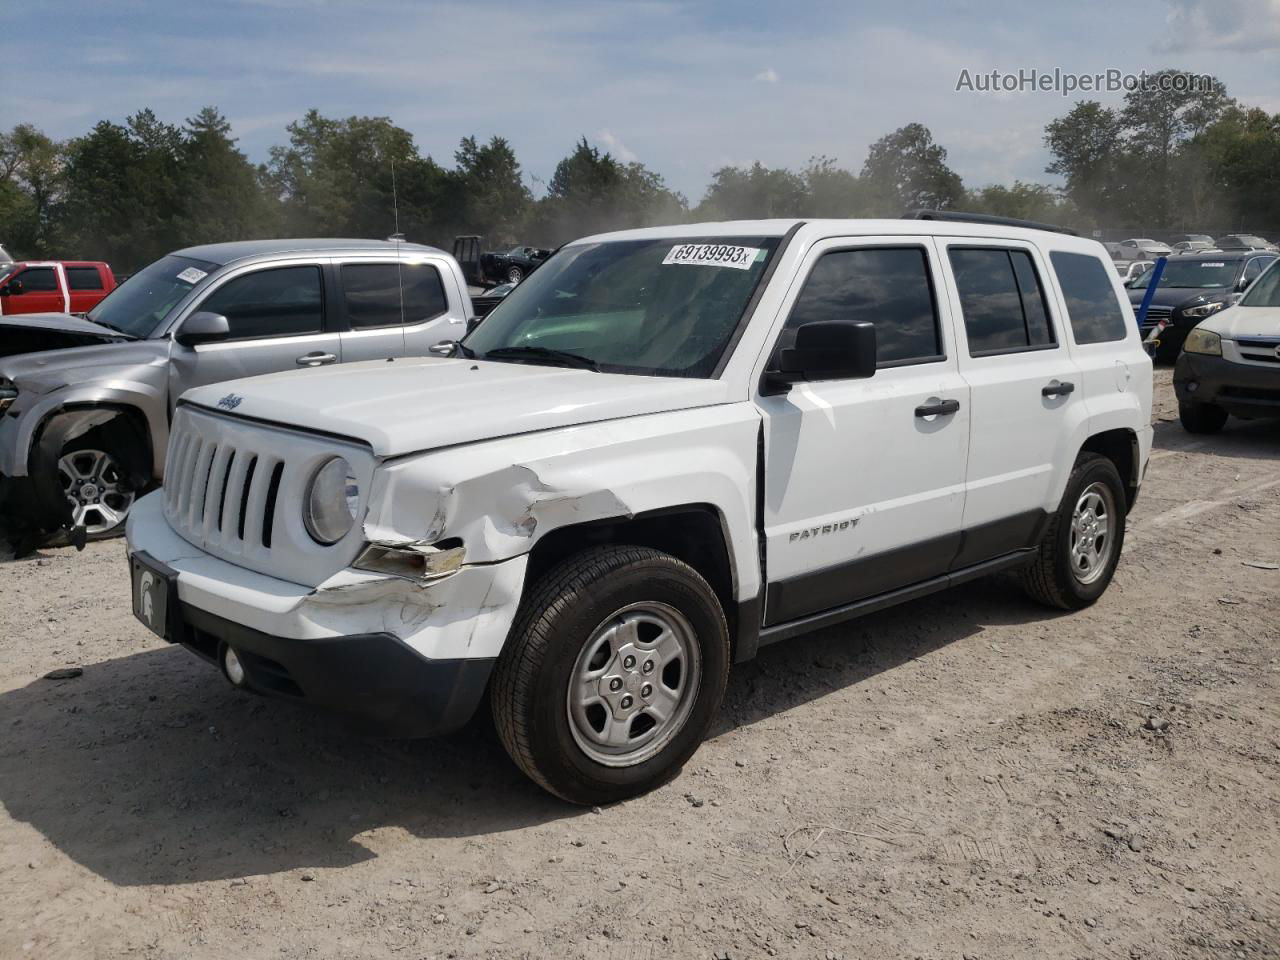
[(664, 449)]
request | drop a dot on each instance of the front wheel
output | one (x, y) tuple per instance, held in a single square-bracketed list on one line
[(514, 275), (614, 671), (95, 483), (1077, 557), (1201, 417)]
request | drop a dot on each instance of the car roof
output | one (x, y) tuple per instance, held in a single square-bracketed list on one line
[(1224, 255), (847, 227), (237, 250)]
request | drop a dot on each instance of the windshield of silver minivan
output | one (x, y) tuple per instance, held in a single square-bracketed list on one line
[(139, 305), (665, 308)]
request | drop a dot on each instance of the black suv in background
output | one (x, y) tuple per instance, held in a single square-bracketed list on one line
[(1195, 286)]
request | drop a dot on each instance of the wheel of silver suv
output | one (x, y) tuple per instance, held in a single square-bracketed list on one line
[(95, 485)]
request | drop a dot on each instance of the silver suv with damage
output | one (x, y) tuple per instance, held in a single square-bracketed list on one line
[(87, 401)]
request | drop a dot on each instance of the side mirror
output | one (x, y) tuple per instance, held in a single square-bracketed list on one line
[(829, 350), (203, 327), (12, 287)]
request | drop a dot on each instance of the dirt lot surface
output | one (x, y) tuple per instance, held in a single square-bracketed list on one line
[(965, 776)]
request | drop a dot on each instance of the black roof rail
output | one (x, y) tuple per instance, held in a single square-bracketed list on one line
[(958, 216)]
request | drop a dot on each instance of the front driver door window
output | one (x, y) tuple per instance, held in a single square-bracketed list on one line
[(277, 322)]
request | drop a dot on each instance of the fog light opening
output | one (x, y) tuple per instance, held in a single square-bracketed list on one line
[(233, 667)]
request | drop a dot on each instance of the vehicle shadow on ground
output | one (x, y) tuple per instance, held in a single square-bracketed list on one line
[(1249, 439), (151, 769)]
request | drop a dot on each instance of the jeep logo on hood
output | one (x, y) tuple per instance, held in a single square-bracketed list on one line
[(230, 401)]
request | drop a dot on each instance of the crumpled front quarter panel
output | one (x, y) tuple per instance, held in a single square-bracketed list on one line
[(500, 497)]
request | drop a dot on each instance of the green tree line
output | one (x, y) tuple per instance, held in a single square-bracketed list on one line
[(127, 193)]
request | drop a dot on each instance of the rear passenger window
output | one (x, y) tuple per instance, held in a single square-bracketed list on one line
[(889, 286), (84, 278), (372, 293), (1092, 306), (1002, 300)]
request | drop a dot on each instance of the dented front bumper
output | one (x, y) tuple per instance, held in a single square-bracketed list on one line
[(373, 620)]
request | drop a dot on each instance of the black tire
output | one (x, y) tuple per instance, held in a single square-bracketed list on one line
[(514, 275), (1050, 578), (1201, 417), (560, 613)]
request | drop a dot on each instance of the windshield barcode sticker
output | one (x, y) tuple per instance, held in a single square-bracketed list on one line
[(713, 255), (192, 275)]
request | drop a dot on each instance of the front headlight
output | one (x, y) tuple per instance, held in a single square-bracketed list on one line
[(8, 394), (332, 500), (1204, 309), (1203, 341)]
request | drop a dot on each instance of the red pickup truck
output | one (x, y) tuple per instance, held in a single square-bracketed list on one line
[(53, 286)]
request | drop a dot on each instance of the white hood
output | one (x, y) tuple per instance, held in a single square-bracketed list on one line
[(409, 405), (1238, 321)]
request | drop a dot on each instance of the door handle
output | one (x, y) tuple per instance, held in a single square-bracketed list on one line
[(941, 407), (316, 359), (1058, 389)]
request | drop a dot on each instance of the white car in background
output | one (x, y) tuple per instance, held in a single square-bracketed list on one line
[(1143, 248), (1230, 362), (1130, 270)]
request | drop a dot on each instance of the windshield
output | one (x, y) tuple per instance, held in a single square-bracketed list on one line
[(664, 308), (139, 305), (1194, 274), (1265, 291)]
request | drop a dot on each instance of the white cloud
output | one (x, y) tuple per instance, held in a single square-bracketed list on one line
[(616, 146), (1243, 26), (768, 75)]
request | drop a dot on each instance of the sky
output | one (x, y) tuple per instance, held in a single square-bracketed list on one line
[(683, 87)]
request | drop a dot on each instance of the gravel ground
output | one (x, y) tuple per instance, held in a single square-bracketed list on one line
[(965, 776)]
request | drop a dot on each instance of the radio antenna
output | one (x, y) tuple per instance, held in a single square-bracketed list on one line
[(397, 236)]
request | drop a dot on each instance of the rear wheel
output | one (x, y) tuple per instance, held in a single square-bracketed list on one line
[(1201, 417), (514, 275), (1077, 557), (613, 673)]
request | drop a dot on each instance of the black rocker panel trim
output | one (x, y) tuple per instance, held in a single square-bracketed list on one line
[(857, 579), (901, 567)]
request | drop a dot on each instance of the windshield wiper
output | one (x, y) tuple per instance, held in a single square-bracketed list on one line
[(561, 358), (111, 326)]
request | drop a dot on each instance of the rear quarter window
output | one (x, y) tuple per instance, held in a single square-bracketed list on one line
[(1093, 308), (84, 278)]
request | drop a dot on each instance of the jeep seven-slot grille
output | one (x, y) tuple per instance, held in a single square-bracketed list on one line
[(221, 492)]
